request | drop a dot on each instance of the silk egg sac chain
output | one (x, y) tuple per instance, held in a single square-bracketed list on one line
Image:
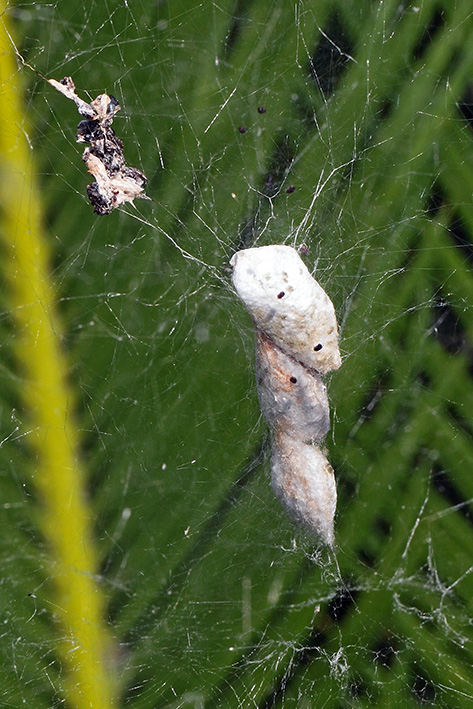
[(296, 343)]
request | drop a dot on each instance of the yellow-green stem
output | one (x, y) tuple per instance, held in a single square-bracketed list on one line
[(83, 644)]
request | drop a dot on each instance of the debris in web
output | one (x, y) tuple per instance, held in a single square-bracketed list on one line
[(296, 343), (115, 182)]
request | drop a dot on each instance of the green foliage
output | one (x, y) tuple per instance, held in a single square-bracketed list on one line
[(211, 602)]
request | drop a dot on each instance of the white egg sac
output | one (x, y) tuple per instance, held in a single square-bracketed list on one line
[(292, 397), (288, 305), (303, 480), (296, 342)]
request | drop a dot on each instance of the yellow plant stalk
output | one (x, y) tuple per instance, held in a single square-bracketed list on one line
[(83, 645)]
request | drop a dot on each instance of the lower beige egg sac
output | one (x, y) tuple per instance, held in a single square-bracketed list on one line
[(303, 480)]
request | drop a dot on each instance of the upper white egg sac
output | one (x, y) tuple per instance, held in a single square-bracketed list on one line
[(288, 304), (303, 480), (292, 397)]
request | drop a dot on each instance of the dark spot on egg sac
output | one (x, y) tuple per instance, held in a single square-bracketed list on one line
[(281, 295), (318, 347), (293, 380)]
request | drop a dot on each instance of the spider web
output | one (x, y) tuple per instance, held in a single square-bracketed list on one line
[(344, 132)]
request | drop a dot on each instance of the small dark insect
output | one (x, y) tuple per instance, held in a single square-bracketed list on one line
[(293, 380), (242, 129), (318, 347), (115, 182), (261, 109), (290, 189), (281, 295)]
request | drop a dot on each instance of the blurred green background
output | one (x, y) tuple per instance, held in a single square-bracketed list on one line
[(215, 600)]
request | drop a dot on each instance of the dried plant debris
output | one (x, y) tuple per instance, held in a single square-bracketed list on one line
[(296, 343), (115, 182)]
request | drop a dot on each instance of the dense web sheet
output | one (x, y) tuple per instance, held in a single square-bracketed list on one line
[(344, 132)]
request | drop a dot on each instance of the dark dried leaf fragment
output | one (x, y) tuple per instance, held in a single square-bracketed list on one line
[(115, 183)]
